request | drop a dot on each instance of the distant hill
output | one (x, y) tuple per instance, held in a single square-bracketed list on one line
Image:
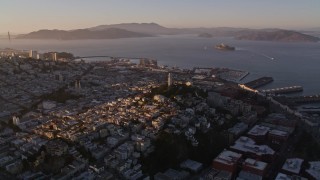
[(205, 35), (277, 35), (111, 33), (128, 30), (148, 28)]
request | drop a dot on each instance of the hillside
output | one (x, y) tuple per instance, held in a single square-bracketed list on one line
[(148, 28), (111, 33), (205, 35), (277, 35), (128, 30)]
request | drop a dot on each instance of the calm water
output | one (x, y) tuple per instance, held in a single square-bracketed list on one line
[(288, 63)]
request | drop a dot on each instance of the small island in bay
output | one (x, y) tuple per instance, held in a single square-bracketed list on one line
[(205, 35), (225, 47)]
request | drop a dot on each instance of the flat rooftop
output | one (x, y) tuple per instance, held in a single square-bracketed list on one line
[(259, 130), (314, 169), (228, 157), (278, 133), (256, 164), (282, 176), (245, 144), (192, 165), (293, 165)]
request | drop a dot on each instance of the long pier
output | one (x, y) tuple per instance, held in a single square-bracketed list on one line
[(259, 82), (283, 90), (106, 56), (305, 99), (307, 123)]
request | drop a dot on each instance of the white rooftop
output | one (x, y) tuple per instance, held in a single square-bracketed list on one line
[(259, 130), (278, 132), (255, 164), (192, 165), (293, 165), (281, 176), (246, 144), (245, 140), (314, 169), (228, 157), (238, 128)]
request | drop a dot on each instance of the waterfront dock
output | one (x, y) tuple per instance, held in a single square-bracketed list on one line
[(284, 90), (259, 82), (305, 99)]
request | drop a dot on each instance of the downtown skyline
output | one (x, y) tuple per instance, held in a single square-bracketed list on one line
[(23, 17)]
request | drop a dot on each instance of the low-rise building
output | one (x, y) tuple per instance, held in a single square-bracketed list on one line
[(227, 161), (259, 133), (238, 130), (314, 170), (255, 167), (281, 176), (56, 147), (277, 136), (191, 165), (249, 148), (292, 166)]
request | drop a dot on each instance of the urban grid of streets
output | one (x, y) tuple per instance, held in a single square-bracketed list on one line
[(105, 120)]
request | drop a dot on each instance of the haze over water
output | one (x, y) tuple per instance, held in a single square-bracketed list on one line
[(288, 63)]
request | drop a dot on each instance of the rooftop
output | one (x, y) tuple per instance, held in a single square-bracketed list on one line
[(238, 128), (293, 165), (259, 130), (191, 165), (255, 164), (278, 133), (245, 144), (228, 157), (244, 175), (282, 176), (314, 169)]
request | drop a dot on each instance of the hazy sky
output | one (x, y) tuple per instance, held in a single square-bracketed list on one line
[(29, 15)]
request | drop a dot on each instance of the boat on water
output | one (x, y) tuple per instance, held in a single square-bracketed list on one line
[(225, 47)]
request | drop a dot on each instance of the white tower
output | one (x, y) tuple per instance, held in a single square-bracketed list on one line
[(55, 56), (77, 85), (33, 54), (170, 81), (15, 120)]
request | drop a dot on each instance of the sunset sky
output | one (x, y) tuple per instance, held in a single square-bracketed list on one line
[(19, 16)]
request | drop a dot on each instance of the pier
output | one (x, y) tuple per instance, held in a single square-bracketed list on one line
[(305, 99), (259, 82), (284, 90), (106, 56)]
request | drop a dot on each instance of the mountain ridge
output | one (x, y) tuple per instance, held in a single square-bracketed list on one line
[(111, 33), (279, 36), (127, 30)]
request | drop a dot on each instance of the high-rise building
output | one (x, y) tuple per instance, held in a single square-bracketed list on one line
[(40, 56), (15, 120), (55, 56), (77, 85), (33, 54), (170, 81)]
